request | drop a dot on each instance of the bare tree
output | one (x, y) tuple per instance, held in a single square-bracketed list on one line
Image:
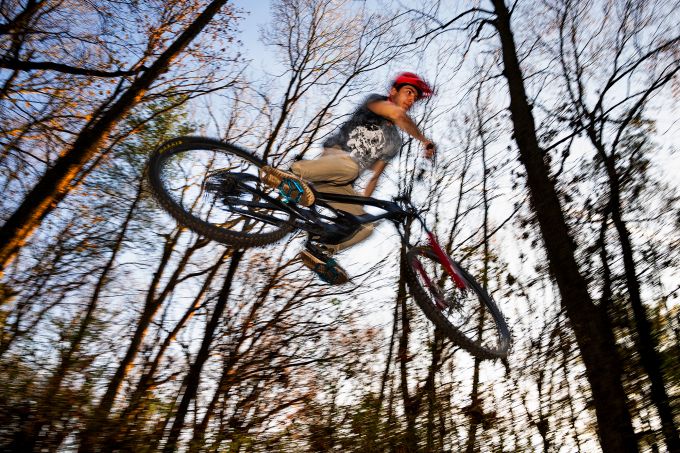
[(55, 184), (642, 52), (593, 332)]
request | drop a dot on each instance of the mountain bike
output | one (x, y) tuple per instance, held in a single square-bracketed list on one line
[(214, 188)]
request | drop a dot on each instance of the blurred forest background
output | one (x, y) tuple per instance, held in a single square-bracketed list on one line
[(556, 179)]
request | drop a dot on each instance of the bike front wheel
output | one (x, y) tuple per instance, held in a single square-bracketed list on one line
[(213, 188), (458, 305)]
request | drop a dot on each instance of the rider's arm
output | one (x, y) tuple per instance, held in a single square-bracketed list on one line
[(398, 116), (378, 168)]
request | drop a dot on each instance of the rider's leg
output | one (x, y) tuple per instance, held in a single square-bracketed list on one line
[(319, 259), (334, 166), (332, 172), (363, 232)]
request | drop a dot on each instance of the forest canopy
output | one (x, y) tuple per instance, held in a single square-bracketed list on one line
[(554, 184)]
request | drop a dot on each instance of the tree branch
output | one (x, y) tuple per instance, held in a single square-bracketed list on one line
[(19, 65)]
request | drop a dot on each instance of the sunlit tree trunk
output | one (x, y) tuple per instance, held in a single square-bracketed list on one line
[(57, 182)]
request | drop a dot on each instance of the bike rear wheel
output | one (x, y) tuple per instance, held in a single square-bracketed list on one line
[(213, 188), (462, 310)]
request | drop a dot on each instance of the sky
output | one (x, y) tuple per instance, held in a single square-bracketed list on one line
[(256, 16)]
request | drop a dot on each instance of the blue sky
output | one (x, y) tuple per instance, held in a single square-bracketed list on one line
[(256, 15)]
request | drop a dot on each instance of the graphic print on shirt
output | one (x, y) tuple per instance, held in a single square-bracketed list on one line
[(366, 143)]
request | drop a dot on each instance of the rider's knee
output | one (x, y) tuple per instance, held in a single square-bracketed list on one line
[(361, 235)]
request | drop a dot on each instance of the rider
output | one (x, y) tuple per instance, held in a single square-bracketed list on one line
[(368, 140)]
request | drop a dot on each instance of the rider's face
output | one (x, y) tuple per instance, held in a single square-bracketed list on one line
[(405, 97)]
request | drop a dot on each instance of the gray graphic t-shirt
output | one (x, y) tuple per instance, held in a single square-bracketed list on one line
[(367, 137)]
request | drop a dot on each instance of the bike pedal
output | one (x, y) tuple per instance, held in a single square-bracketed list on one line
[(329, 272), (291, 190)]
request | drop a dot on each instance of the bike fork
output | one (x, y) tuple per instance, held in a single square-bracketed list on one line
[(446, 261), (436, 293)]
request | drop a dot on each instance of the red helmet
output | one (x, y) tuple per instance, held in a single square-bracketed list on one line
[(409, 78)]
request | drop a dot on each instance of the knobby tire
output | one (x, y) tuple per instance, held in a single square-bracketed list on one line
[(228, 236), (429, 307)]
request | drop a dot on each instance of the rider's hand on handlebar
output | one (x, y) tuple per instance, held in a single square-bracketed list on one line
[(430, 149)]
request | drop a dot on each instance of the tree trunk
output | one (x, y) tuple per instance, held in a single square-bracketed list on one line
[(475, 400), (410, 404), (47, 414), (58, 181), (647, 344), (431, 390), (235, 354), (153, 302), (129, 415), (192, 379), (591, 327)]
